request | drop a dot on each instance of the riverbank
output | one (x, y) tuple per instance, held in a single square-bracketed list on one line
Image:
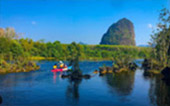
[(39, 58), (16, 67)]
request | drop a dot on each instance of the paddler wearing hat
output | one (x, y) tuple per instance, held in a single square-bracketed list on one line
[(61, 64)]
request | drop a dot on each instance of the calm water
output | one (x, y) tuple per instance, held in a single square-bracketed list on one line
[(41, 88)]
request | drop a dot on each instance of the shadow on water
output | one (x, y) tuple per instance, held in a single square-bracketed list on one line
[(72, 92), (159, 92), (121, 83), (0, 100)]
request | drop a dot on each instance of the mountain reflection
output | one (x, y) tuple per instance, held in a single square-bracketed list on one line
[(121, 83), (159, 92)]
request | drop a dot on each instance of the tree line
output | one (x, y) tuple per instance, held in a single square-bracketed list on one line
[(11, 48)]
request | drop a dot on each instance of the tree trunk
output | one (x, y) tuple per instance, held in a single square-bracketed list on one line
[(169, 51)]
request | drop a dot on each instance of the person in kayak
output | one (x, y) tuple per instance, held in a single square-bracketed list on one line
[(59, 70), (61, 64), (55, 66)]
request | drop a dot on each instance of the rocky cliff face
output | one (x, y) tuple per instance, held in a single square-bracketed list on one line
[(120, 33)]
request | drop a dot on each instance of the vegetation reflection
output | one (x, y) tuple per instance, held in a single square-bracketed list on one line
[(122, 83), (159, 92)]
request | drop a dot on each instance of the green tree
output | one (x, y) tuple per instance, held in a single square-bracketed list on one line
[(16, 49), (161, 39)]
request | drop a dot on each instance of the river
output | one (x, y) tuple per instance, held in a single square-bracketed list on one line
[(42, 88)]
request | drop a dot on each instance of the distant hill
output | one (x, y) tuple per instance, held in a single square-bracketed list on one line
[(82, 43), (143, 46), (120, 33)]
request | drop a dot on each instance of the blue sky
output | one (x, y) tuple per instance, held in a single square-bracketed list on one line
[(78, 20)]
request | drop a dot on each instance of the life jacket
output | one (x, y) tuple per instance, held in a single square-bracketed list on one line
[(61, 65), (55, 66)]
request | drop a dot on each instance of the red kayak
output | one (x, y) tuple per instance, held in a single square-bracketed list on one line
[(62, 69), (57, 70)]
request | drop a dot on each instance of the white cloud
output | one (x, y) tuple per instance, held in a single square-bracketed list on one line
[(150, 26), (33, 23)]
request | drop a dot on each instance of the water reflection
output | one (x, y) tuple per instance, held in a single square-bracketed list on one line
[(54, 77), (13, 79), (0, 100), (72, 92), (121, 83), (159, 92)]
